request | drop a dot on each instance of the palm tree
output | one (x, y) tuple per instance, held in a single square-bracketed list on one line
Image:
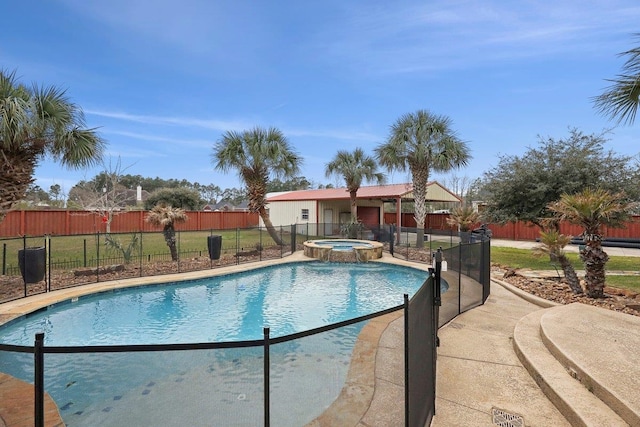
[(463, 217), (354, 167), (552, 243), (593, 209), (621, 99), (167, 216), (422, 142), (36, 122), (256, 154)]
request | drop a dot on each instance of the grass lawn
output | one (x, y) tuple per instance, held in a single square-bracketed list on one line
[(522, 258), (86, 248)]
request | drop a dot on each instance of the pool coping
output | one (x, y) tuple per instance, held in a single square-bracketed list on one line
[(353, 404)]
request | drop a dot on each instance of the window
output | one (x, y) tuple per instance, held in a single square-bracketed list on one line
[(305, 214)]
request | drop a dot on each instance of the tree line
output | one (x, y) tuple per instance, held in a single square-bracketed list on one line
[(181, 193)]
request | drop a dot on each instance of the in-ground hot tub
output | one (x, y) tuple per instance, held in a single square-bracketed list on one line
[(343, 250)]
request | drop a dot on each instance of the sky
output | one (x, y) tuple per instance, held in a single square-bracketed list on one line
[(163, 80)]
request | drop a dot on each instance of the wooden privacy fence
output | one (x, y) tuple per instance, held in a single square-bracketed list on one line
[(517, 230), (432, 221), (526, 231), (65, 222)]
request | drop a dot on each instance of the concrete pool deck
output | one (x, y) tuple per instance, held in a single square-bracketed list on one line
[(480, 372)]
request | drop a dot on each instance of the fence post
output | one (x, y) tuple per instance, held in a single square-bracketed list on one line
[(460, 278), (98, 258), (437, 299), (38, 380), (267, 399), (140, 253), (237, 245), (260, 240), (406, 359), (435, 318), (4, 259), (24, 262), (47, 249), (293, 237), (178, 252)]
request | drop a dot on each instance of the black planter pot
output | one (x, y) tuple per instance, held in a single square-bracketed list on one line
[(214, 244), (32, 262), (465, 237)]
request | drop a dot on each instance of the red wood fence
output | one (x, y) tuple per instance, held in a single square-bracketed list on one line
[(64, 222), (518, 230), (431, 221), (525, 231)]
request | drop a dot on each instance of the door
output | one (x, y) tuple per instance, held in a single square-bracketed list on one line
[(328, 222), (369, 216)]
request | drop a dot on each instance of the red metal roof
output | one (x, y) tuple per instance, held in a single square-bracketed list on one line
[(378, 192)]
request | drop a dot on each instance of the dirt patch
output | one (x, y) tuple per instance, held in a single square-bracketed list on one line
[(557, 290)]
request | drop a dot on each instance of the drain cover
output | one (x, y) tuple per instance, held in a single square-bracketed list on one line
[(506, 419)]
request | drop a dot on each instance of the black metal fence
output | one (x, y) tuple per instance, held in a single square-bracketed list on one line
[(271, 353), (36, 264), (463, 267)]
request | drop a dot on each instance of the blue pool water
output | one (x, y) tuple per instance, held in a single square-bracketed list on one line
[(133, 388), (342, 245)]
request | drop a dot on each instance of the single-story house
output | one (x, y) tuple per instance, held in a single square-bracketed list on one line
[(330, 207)]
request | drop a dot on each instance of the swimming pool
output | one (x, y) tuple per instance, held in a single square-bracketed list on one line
[(113, 389)]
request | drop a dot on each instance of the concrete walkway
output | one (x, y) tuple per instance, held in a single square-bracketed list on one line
[(480, 379), (519, 362)]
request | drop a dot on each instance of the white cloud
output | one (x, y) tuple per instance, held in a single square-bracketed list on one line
[(447, 34), (214, 124)]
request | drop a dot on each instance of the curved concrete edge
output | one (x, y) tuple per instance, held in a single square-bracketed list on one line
[(16, 404), (599, 364), (356, 398), (540, 302), (573, 400)]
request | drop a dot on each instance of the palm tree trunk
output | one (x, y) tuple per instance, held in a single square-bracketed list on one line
[(570, 274), (16, 172), (594, 259), (170, 238), (269, 225), (420, 177), (354, 205)]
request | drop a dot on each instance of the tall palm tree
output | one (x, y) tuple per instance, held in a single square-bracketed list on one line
[(354, 167), (593, 209), (167, 216), (620, 100), (36, 122), (422, 142), (257, 154)]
